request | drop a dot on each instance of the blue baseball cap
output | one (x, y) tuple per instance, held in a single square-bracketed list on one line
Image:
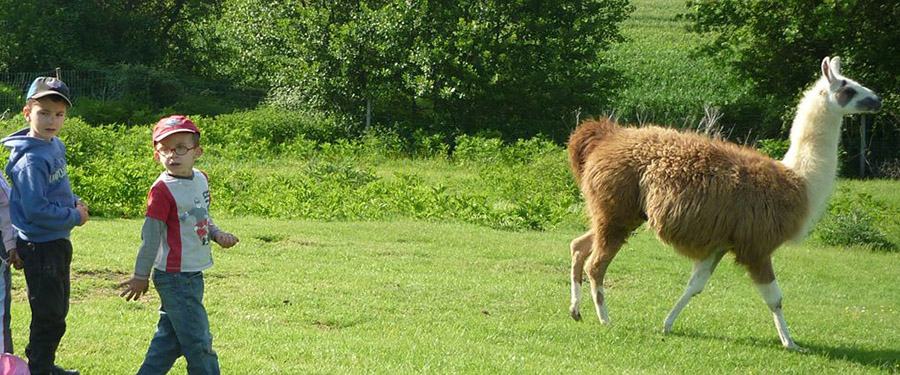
[(45, 86)]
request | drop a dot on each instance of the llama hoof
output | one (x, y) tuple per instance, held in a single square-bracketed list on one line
[(575, 314), (796, 348)]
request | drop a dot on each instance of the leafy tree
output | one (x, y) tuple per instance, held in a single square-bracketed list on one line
[(97, 34), (778, 46), (518, 67)]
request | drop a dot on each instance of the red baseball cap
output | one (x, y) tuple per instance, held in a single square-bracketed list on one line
[(171, 125)]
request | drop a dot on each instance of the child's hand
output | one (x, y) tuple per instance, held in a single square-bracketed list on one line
[(225, 239), (14, 259), (82, 209), (136, 288)]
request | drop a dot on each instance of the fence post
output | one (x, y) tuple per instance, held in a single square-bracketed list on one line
[(368, 113), (57, 72), (862, 146)]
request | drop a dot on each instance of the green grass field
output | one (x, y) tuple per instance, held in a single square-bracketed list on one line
[(398, 296), (299, 297)]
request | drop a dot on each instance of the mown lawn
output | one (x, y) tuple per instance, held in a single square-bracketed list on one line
[(297, 297)]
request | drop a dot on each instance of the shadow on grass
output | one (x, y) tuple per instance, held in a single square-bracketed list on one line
[(887, 360)]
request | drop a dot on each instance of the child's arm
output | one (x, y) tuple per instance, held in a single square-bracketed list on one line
[(32, 181), (150, 240)]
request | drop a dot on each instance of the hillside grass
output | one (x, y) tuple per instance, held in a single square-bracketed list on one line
[(403, 297), (666, 80)]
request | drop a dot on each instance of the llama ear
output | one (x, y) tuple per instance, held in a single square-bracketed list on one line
[(826, 69), (835, 66)]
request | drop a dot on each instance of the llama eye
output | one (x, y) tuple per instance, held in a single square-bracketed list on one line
[(843, 82)]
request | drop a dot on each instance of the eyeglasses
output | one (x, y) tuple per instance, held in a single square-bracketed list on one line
[(180, 150)]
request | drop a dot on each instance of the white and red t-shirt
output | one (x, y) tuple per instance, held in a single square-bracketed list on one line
[(177, 228)]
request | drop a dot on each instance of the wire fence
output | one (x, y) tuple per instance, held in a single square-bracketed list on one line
[(106, 85)]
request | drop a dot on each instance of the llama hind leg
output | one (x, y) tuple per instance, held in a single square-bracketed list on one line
[(606, 244), (764, 279), (581, 249), (703, 269)]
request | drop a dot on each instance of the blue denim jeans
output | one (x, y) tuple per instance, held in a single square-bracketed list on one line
[(183, 327)]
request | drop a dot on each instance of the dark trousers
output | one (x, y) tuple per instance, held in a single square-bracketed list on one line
[(47, 275), (7, 297)]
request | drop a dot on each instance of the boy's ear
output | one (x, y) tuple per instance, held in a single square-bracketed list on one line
[(156, 156), (26, 111), (199, 152)]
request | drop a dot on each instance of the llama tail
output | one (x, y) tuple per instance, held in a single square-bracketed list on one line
[(585, 139)]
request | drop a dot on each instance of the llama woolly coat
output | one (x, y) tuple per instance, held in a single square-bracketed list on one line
[(698, 194)]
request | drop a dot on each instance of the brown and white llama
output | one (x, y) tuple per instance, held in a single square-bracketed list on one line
[(707, 197)]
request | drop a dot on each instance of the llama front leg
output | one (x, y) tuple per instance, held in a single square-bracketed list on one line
[(703, 269), (581, 248), (764, 280), (772, 295)]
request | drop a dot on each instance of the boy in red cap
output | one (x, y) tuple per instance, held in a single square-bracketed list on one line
[(43, 211), (176, 244)]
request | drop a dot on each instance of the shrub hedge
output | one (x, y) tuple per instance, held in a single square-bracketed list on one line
[(282, 164)]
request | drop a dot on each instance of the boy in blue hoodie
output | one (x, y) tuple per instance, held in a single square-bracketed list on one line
[(43, 210)]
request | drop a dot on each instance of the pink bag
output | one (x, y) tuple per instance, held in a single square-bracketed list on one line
[(12, 365)]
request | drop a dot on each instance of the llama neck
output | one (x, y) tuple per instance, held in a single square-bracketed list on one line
[(813, 154)]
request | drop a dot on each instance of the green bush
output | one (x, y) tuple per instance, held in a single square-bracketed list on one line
[(775, 148), (110, 168), (476, 149), (855, 227), (853, 220), (301, 168), (268, 128), (524, 185), (113, 111)]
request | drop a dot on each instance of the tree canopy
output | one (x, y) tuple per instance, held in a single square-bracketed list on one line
[(513, 66), (518, 67), (778, 45)]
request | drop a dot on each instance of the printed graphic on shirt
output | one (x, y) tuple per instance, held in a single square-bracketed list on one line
[(59, 174), (198, 216)]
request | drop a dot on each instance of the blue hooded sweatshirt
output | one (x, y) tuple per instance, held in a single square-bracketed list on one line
[(42, 205)]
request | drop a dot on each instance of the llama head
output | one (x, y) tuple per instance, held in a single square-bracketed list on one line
[(846, 95)]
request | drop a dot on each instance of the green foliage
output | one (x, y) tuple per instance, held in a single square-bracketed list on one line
[(336, 184), (775, 148), (443, 65), (110, 168), (778, 47), (291, 164), (271, 162), (9, 94), (145, 94), (853, 220), (267, 130), (113, 111), (40, 36)]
